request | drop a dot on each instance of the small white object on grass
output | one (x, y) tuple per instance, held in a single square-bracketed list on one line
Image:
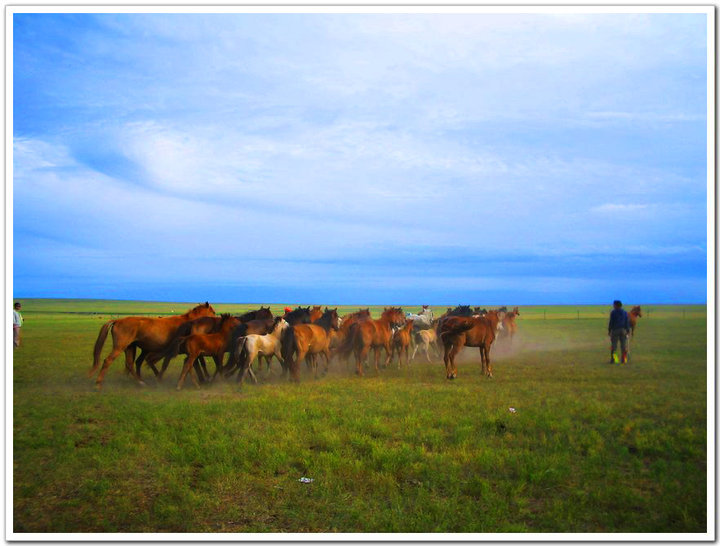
[(306, 480), (512, 410)]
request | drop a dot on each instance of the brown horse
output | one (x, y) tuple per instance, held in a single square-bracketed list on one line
[(315, 313), (339, 343), (202, 325), (258, 314), (150, 334), (375, 334), (215, 345), (509, 327), (633, 316), (477, 331), (307, 340), (401, 342)]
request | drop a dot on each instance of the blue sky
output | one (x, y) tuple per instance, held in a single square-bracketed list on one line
[(368, 158)]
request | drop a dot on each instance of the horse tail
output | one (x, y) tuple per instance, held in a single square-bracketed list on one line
[(288, 346), (456, 330), (239, 347), (345, 347), (102, 336), (174, 347)]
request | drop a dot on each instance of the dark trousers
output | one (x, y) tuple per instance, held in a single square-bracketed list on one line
[(619, 334)]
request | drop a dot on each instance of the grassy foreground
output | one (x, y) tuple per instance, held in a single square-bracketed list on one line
[(591, 447)]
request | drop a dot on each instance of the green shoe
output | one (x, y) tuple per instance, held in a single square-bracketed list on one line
[(616, 360)]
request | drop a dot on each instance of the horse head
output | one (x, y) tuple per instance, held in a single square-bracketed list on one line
[(636, 311), (278, 326), (202, 310), (495, 318), (329, 319), (227, 321), (394, 315)]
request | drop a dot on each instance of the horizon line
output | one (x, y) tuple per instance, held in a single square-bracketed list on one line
[(349, 304)]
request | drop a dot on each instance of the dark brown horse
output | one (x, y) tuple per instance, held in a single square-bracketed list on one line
[(307, 340), (633, 316), (376, 334), (258, 314), (401, 342), (215, 345), (149, 334), (476, 331), (300, 315)]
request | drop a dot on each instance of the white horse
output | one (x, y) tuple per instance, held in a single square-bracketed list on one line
[(425, 339), (422, 321), (260, 346)]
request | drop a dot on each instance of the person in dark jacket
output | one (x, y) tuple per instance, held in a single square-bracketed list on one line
[(618, 330)]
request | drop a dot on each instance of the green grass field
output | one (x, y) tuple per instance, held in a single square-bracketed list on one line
[(591, 448)]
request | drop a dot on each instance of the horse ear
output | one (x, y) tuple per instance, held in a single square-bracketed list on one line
[(207, 304)]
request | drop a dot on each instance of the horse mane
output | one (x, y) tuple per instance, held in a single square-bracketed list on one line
[(460, 311)]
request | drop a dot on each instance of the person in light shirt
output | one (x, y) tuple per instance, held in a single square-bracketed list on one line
[(17, 324)]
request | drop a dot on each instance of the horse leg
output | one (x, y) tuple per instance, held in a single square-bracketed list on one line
[(244, 372), (487, 362), (326, 354), (106, 364), (446, 360), (427, 352), (130, 358), (218, 358), (415, 351), (360, 356), (165, 364), (376, 352), (388, 353), (299, 357), (453, 367), (203, 374), (189, 362), (139, 362)]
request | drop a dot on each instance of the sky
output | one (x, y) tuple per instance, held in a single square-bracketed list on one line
[(482, 159)]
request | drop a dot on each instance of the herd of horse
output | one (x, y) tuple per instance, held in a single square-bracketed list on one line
[(309, 334)]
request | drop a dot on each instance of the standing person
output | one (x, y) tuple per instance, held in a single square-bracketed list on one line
[(17, 323), (618, 330)]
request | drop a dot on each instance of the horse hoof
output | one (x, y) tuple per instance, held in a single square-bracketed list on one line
[(142, 384)]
